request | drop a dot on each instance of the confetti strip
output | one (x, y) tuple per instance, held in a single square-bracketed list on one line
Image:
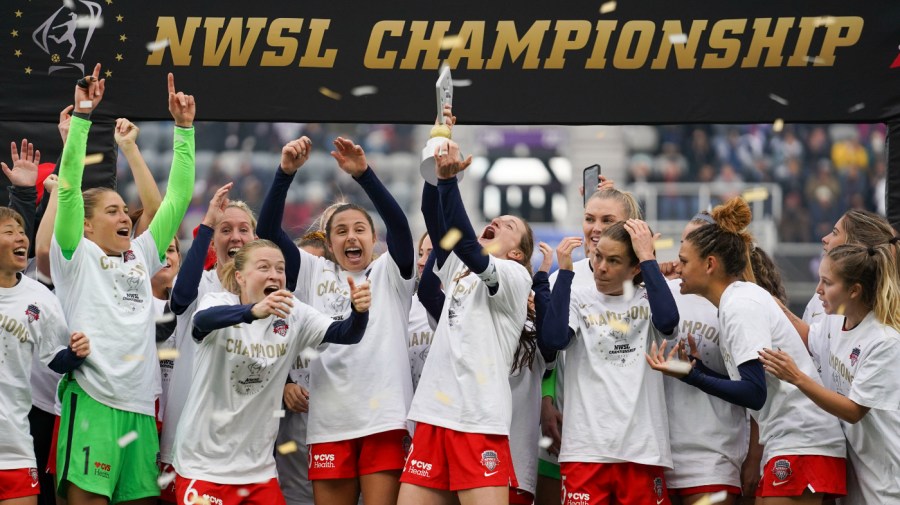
[(287, 447), (243, 492), (84, 22), (374, 404), (450, 239), (491, 248), (840, 310), (856, 108), (309, 354), (607, 7), (85, 104), (128, 438), (678, 38), (157, 45), (663, 244), (363, 90), (171, 354), (778, 99), (200, 500), (481, 378), (619, 325), (167, 317), (778, 125), (165, 479), (451, 42), (443, 398), (93, 159), (815, 60), (70, 4), (710, 499), (278, 414), (823, 21), (330, 94), (133, 357), (755, 195), (678, 366), (462, 83), (546, 442)]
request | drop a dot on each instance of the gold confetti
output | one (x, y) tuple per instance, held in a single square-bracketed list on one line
[(330, 94), (491, 248), (451, 42), (755, 195), (128, 438), (199, 500), (619, 325), (450, 239), (840, 310), (443, 398), (711, 499), (374, 404), (663, 244), (93, 159), (607, 7), (133, 357), (481, 378), (778, 125), (165, 354), (287, 447)]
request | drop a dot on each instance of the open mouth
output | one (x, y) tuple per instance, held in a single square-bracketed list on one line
[(123, 232), (353, 253), (20, 252), (268, 290), (488, 233), (232, 251)]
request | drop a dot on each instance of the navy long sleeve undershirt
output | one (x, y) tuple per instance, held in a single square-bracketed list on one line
[(468, 249), (434, 221), (429, 291), (65, 361), (268, 226), (187, 284), (348, 331), (397, 235), (749, 392), (663, 310), (540, 284)]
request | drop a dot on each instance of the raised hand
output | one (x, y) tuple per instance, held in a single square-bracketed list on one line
[(277, 304), (603, 183), (449, 118), (360, 296), (564, 251), (80, 344), (350, 157), (89, 91), (51, 182), (448, 162), (668, 364), (126, 132), (294, 154), (24, 171), (217, 206), (547, 253), (181, 106), (65, 118), (641, 239)]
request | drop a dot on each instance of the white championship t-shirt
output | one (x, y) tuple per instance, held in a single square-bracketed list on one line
[(861, 364), (365, 388), (293, 467), (814, 311), (228, 427), (183, 369), (418, 339), (615, 409), (789, 422), (525, 429), (31, 324), (165, 365), (110, 299), (708, 436), (465, 383)]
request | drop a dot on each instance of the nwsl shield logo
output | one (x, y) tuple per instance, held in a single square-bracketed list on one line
[(854, 356), (489, 460), (33, 313), (782, 469), (280, 327), (658, 487), (128, 256)]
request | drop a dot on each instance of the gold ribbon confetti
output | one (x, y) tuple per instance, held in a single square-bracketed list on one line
[(755, 195), (334, 95), (450, 239)]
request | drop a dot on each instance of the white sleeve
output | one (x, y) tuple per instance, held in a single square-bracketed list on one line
[(145, 246), (310, 323), (877, 381), (513, 284), (309, 264), (817, 339), (54, 334), (447, 269), (745, 330)]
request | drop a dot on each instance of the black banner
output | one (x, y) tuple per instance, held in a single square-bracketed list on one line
[(638, 61)]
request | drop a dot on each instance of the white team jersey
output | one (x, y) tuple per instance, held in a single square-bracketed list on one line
[(293, 467), (615, 407), (418, 339), (465, 383), (708, 436), (365, 388), (183, 370), (861, 364), (109, 299), (44, 383), (789, 422), (814, 311), (165, 365), (525, 429), (228, 427), (31, 323)]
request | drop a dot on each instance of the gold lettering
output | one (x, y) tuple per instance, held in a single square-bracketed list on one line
[(623, 58), (564, 41), (232, 40), (601, 44), (419, 43), (731, 47), (836, 36), (773, 44), (801, 57), (312, 58), (508, 41), (372, 59), (179, 46), (275, 38), (685, 54), (229, 345), (472, 33)]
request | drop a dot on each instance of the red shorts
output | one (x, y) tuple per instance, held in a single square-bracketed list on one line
[(715, 488), (200, 491), (347, 459), (51, 459), (168, 493), (623, 483), (792, 475), (450, 460), (520, 497), (19, 483)]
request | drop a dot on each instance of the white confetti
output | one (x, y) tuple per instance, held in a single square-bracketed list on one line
[(546, 442), (856, 108), (128, 438), (778, 125), (607, 7), (678, 366), (678, 38), (85, 104), (165, 479), (815, 60), (309, 354), (278, 414), (823, 21), (243, 492), (167, 317), (462, 83), (363, 90), (156, 45), (133, 357), (778, 99), (70, 4), (168, 354), (89, 22)]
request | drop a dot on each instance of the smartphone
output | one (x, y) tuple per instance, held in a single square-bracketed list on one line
[(590, 179), (444, 91)]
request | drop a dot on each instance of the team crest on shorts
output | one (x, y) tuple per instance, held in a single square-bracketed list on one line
[(280, 327), (854, 356), (407, 444), (33, 313), (32, 472), (128, 256), (489, 460), (782, 469), (658, 487)]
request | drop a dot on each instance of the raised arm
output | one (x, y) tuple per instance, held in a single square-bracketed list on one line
[(45, 228), (663, 311), (555, 333), (429, 291), (181, 176), (126, 134), (447, 166), (23, 177), (434, 222), (352, 159), (540, 286)]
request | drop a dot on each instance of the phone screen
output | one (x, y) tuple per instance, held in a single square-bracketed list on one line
[(590, 179)]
